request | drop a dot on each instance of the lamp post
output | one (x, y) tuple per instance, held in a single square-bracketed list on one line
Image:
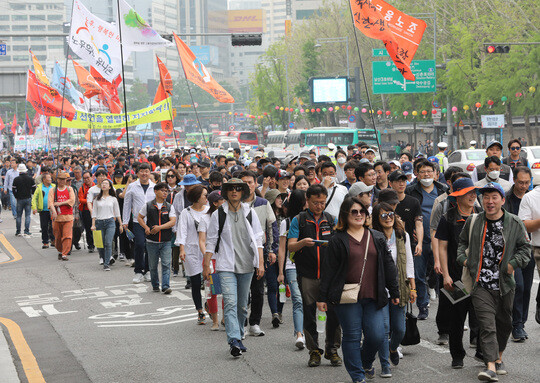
[(329, 40)]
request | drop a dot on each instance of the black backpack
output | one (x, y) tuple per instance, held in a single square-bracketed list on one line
[(221, 219)]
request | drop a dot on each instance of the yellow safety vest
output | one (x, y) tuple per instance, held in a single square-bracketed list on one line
[(441, 158)]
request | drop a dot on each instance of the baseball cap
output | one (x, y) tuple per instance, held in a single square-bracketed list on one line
[(389, 196), (395, 162), (281, 174), (272, 194), (494, 142), (100, 157), (370, 150), (407, 168), (236, 168), (214, 196), (359, 187), (262, 161), (287, 160), (204, 164), (309, 164), (118, 173), (492, 186), (433, 159), (462, 186), (304, 155), (397, 175)]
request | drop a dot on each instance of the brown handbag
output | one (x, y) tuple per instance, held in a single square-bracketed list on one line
[(351, 290)]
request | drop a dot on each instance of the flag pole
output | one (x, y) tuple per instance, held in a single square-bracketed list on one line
[(123, 79), (26, 118), (365, 83)]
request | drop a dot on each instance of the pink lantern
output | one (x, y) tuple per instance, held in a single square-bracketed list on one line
[(277, 107), (405, 113), (301, 110), (330, 109), (519, 94), (364, 110)]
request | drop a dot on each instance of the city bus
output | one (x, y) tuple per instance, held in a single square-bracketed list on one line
[(276, 139), (321, 137), (245, 137)]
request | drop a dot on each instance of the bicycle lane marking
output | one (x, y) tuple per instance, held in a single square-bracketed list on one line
[(15, 256), (27, 358)]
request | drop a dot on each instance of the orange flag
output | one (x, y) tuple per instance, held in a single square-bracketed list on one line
[(40, 73), (87, 81), (167, 125), (197, 73), (165, 77), (400, 33), (47, 100)]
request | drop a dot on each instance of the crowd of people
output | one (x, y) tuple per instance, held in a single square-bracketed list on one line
[(352, 239)]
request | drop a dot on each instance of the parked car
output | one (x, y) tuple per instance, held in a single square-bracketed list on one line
[(467, 159), (532, 154)]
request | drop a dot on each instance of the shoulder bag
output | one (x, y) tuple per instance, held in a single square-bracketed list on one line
[(351, 290), (412, 335)]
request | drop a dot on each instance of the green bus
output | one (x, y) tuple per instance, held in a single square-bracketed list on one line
[(339, 136), (197, 138)]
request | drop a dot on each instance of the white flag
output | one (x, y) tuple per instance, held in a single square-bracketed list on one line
[(137, 35), (96, 41)]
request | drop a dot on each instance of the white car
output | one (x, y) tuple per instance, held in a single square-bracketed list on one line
[(467, 159), (532, 154)]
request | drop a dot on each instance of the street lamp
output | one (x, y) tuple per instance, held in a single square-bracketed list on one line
[(329, 40)]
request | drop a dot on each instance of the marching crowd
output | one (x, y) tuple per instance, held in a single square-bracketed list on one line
[(354, 241)]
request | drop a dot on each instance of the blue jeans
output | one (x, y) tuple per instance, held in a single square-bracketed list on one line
[(524, 280), (296, 297), (394, 325), (235, 289), (420, 270), (13, 202), (23, 205), (157, 250), (139, 254), (272, 288), (107, 228), (355, 319)]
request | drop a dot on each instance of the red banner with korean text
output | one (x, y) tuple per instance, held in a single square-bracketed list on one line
[(400, 33)]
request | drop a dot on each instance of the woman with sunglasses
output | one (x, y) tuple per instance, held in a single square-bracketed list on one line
[(358, 256), (384, 220)]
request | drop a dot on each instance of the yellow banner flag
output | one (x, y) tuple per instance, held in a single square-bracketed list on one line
[(160, 111), (38, 69)]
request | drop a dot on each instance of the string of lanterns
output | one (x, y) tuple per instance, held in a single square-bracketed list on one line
[(379, 112)]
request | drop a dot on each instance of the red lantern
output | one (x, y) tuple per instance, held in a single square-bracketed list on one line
[(434, 111), (379, 112), (235, 113), (241, 114), (318, 110), (312, 110), (424, 112), (349, 107), (490, 102), (388, 112), (266, 114)]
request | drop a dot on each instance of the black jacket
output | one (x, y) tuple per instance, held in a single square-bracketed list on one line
[(22, 186), (336, 262), (415, 190)]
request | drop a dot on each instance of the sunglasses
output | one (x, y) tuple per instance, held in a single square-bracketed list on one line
[(385, 216), (356, 212), (171, 176), (515, 147), (237, 188)]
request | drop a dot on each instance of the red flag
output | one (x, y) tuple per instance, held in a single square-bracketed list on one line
[(167, 125), (165, 77), (64, 130), (121, 134), (197, 73), (110, 94), (400, 33), (35, 121), (87, 81), (47, 100), (14, 125), (2, 126), (29, 129)]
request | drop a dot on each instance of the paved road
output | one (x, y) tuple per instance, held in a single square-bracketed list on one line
[(86, 325)]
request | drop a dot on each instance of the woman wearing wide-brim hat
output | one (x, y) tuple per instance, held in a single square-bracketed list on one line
[(238, 250)]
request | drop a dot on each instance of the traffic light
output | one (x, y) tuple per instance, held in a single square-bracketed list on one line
[(246, 39), (497, 49)]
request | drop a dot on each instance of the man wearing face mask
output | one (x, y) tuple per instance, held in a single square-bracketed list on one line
[(341, 159), (336, 192), (426, 190), (494, 148), (493, 165)]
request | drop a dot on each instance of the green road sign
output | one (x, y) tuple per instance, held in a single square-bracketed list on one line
[(380, 53), (388, 80)]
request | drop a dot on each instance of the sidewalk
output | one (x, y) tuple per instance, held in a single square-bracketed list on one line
[(7, 368)]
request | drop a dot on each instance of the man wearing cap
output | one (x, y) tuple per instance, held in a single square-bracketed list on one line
[(246, 155), (350, 177), (363, 192), (473, 144), (494, 148), (529, 212), (204, 178), (443, 160), (237, 248), (331, 152), (304, 156), (493, 167), (370, 155), (447, 234), (60, 202), (100, 163), (22, 190), (495, 245), (283, 179), (289, 163), (408, 170)]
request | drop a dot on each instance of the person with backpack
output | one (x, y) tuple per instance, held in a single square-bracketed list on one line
[(188, 241), (157, 218), (293, 206), (60, 201), (314, 224), (235, 240)]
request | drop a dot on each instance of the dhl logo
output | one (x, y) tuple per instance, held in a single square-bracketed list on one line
[(238, 19)]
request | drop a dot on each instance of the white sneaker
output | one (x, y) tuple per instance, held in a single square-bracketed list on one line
[(147, 277), (300, 342), (399, 349), (255, 330), (465, 328), (130, 262), (101, 261), (432, 295), (139, 278), (121, 257)]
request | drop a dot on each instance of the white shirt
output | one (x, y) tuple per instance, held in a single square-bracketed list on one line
[(530, 209), (105, 208), (337, 199), (283, 233), (135, 198), (93, 192), (188, 236)]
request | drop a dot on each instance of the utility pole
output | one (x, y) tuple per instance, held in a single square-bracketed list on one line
[(360, 123)]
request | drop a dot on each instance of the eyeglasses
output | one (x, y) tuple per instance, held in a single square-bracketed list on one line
[(319, 203), (237, 188), (385, 216), (424, 172), (515, 147), (356, 212)]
